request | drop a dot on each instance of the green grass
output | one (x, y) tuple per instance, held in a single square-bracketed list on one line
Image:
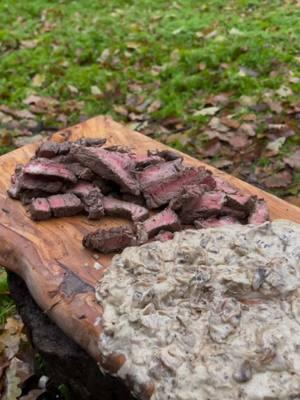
[(6, 305), (156, 44)]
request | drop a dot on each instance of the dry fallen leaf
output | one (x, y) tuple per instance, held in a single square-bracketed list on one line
[(280, 180), (29, 44), (231, 123), (96, 91), (207, 111), (284, 91), (121, 110), (293, 161), (154, 106), (73, 89), (38, 80), (275, 145), (238, 141)]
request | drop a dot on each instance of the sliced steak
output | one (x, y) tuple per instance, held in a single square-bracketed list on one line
[(26, 196), (81, 172), (224, 186), (52, 149), (167, 155), (163, 236), (110, 240), (215, 222), (119, 208), (163, 192), (39, 209), (205, 205), (37, 183), (156, 174), (109, 165), (141, 161), (130, 198), (241, 215), (48, 168), (259, 214), (103, 185), (165, 220), (91, 197), (65, 205), (240, 201)]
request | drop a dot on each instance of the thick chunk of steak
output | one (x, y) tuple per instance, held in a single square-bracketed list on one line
[(240, 201), (39, 209), (259, 214), (110, 240), (52, 149), (91, 197), (65, 205), (37, 183), (80, 171), (215, 222), (113, 166), (205, 205), (48, 168), (241, 215), (224, 186), (130, 198), (164, 190), (165, 220), (119, 208), (26, 196), (156, 174)]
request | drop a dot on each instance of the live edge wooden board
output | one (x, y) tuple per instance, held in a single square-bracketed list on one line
[(58, 271)]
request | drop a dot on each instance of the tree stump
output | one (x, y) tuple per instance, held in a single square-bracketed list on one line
[(63, 360)]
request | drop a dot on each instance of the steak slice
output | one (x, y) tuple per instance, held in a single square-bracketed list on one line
[(110, 240), (205, 205), (167, 155), (109, 165), (155, 174), (240, 201), (39, 209), (119, 208), (259, 214), (241, 215), (215, 222), (37, 183), (163, 192), (142, 162), (65, 205), (81, 172), (48, 168), (165, 220), (52, 149), (26, 196), (130, 198), (224, 186), (91, 198), (163, 236)]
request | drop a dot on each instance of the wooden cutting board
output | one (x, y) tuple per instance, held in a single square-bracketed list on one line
[(48, 255)]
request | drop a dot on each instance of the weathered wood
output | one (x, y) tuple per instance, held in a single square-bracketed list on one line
[(64, 361), (48, 255)]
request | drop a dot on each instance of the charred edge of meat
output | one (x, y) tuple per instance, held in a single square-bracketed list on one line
[(49, 168), (111, 166), (51, 149), (110, 240), (142, 162), (65, 205), (215, 222), (120, 208), (259, 214), (167, 155), (91, 142), (165, 220)]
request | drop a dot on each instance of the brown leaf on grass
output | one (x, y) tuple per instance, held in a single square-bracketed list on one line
[(38, 80), (248, 129), (249, 117), (29, 44), (275, 146), (220, 99), (280, 180), (19, 114), (231, 123), (222, 163), (154, 106), (121, 110), (239, 141), (293, 161), (211, 148), (207, 111)]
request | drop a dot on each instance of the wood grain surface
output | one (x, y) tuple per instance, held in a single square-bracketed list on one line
[(48, 255)]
